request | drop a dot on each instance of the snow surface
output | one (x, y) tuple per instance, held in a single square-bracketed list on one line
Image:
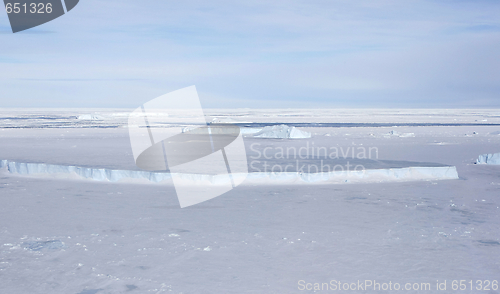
[(80, 236)]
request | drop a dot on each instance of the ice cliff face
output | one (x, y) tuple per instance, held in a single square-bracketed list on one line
[(360, 176), (99, 174), (489, 159)]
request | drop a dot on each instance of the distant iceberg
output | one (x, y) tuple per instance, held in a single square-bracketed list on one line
[(40, 245), (489, 159), (282, 132), (92, 116)]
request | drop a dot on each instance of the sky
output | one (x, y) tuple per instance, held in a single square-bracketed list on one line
[(258, 54)]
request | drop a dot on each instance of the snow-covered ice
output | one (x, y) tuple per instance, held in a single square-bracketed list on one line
[(71, 235), (403, 135)]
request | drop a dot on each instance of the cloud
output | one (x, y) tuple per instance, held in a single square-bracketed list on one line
[(259, 53)]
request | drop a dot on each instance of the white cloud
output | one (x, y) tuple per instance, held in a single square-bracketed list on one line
[(120, 53)]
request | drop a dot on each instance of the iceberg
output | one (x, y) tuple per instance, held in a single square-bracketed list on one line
[(411, 173), (93, 116), (489, 159), (98, 174), (282, 132)]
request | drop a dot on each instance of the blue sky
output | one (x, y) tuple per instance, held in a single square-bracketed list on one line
[(258, 54)]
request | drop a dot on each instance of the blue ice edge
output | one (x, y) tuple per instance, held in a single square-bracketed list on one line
[(361, 176), (493, 158), (98, 174)]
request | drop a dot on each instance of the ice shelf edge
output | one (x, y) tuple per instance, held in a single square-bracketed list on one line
[(111, 175)]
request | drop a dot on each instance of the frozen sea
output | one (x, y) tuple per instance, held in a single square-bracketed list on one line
[(81, 236)]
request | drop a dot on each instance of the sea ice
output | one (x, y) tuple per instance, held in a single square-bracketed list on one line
[(40, 245), (396, 231)]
